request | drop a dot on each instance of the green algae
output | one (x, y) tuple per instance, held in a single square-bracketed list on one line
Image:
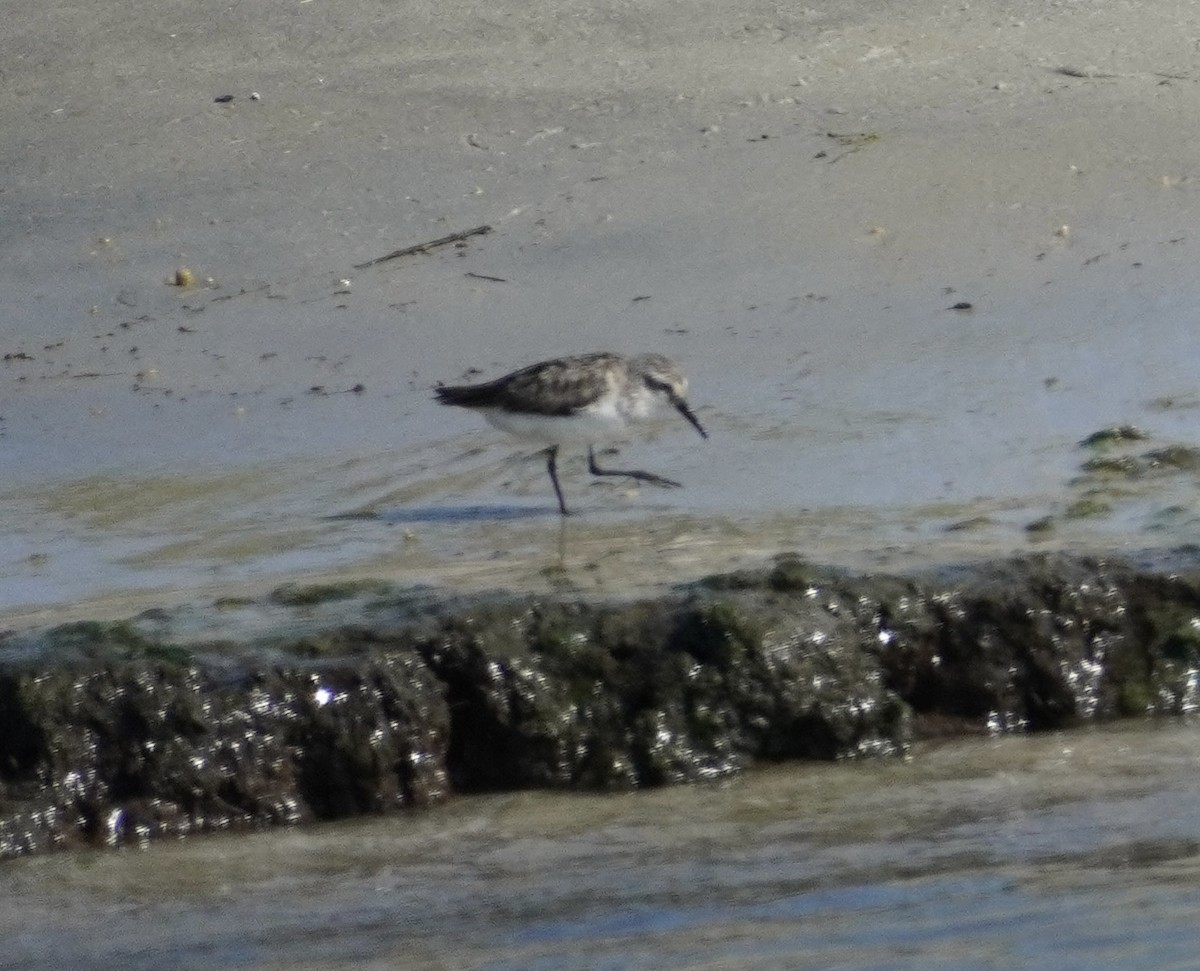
[(314, 594), (1087, 507), (1183, 458), (1114, 436)]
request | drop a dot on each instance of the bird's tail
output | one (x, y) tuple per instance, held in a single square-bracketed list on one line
[(464, 395)]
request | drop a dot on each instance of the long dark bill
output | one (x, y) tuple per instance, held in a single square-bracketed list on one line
[(682, 407)]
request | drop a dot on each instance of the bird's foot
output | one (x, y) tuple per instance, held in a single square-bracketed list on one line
[(648, 477)]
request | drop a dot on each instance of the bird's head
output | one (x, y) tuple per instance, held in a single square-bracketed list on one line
[(663, 378)]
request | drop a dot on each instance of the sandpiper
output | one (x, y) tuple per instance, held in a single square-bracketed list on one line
[(589, 398)]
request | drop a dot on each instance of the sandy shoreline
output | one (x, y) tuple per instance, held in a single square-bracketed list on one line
[(800, 196)]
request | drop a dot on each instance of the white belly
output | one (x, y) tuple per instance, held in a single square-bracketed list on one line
[(586, 427)]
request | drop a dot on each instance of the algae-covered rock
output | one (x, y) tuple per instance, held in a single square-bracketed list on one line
[(1045, 642), (113, 750), (371, 699), (661, 692)]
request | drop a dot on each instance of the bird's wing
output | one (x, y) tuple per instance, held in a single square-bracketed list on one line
[(560, 387)]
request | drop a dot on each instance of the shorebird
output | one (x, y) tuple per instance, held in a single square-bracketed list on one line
[(584, 399)]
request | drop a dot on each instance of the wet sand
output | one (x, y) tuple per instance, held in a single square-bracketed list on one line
[(788, 203)]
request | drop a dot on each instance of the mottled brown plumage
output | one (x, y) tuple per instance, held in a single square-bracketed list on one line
[(559, 387)]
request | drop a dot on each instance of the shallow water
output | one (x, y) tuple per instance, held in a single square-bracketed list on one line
[(1074, 850)]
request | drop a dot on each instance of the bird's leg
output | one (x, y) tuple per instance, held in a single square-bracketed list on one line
[(650, 477), (552, 468)]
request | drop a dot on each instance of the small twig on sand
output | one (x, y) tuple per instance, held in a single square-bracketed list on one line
[(425, 247), (484, 276), (1086, 73)]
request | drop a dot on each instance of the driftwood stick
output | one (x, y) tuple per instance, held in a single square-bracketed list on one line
[(425, 247)]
